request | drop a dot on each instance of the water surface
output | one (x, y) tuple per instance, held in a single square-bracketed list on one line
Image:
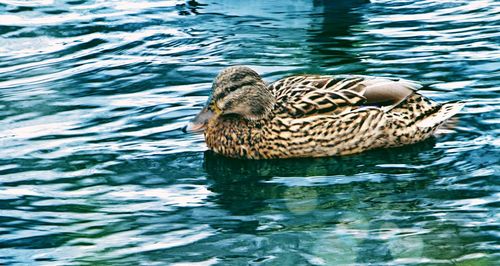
[(94, 168)]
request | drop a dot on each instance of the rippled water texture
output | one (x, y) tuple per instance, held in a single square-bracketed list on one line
[(95, 170)]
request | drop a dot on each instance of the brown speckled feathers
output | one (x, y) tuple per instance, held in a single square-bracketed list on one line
[(313, 116)]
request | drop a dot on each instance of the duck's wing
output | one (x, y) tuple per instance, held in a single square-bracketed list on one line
[(305, 95)]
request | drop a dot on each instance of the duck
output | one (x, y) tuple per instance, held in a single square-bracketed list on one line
[(314, 115)]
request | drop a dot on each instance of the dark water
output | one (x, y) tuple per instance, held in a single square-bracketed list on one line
[(94, 169)]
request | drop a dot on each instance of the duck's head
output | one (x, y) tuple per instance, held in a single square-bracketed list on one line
[(238, 92)]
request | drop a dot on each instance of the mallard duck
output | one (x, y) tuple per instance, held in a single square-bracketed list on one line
[(314, 115)]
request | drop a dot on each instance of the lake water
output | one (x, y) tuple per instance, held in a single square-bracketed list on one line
[(94, 168)]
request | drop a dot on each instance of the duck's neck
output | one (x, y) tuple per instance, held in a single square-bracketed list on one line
[(234, 137)]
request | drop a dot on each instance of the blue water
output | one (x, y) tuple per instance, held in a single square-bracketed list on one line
[(94, 168)]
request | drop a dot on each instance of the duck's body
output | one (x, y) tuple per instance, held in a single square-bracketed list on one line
[(315, 116)]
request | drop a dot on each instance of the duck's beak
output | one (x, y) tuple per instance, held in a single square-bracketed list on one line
[(199, 122)]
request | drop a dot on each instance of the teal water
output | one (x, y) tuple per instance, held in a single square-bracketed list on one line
[(94, 168)]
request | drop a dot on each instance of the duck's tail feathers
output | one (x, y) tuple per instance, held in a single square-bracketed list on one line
[(445, 112)]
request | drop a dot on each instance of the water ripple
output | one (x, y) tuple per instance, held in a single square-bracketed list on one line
[(94, 167)]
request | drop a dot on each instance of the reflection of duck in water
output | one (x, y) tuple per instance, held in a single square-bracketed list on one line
[(250, 187), (314, 116)]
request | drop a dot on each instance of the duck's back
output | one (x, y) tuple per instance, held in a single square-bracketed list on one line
[(305, 95), (349, 114)]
